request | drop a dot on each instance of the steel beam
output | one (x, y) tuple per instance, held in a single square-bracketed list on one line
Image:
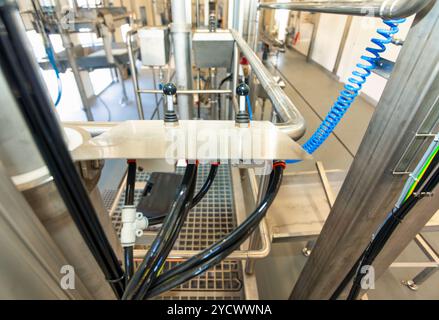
[(371, 189)]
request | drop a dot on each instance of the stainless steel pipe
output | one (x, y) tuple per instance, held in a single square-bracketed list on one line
[(181, 36), (293, 122), (134, 78), (386, 9), (187, 92)]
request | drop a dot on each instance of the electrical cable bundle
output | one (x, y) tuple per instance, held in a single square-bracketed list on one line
[(425, 182), (217, 252), (129, 201), (155, 259), (207, 184)]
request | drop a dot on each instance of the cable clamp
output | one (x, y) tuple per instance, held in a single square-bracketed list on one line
[(422, 195), (396, 217), (411, 175)]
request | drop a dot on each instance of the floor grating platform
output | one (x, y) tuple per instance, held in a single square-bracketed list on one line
[(212, 219)]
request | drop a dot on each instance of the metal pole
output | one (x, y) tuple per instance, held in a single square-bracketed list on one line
[(134, 78), (155, 95), (181, 35), (68, 45), (197, 13), (187, 92)]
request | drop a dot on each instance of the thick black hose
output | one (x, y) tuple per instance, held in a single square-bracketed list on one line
[(129, 201), (220, 250), (128, 253), (206, 186), (389, 226), (131, 183), (228, 78), (22, 74), (384, 234), (165, 239)]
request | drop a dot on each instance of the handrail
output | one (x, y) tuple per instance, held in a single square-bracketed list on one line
[(385, 9), (293, 122)]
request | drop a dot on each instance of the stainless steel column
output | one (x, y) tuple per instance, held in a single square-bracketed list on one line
[(371, 189), (31, 263), (22, 160), (134, 74), (181, 35)]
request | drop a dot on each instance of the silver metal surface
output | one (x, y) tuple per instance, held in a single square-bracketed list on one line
[(196, 140), (32, 261), (181, 35), (325, 182), (293, 122), (154, 46), (213, 49), (68, 45), (133, 68), (16, 141), (393, 9), (304, 193)]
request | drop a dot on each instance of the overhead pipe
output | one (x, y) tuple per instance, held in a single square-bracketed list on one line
[(293, 122), (385, 9)]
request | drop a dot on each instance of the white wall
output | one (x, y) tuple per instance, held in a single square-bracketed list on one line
[(328, 38), (363, 29)]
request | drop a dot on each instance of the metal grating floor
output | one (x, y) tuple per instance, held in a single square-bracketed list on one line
[(211, 220)]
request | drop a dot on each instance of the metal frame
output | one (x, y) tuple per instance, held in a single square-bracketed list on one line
[(138, 91), (242, 254), (430, 267)]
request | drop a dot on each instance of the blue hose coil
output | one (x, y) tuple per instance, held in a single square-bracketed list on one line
[(353, 87)]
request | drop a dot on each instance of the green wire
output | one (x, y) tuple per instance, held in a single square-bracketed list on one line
[(421, 174)]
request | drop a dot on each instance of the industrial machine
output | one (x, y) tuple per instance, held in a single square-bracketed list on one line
[(189, 217)]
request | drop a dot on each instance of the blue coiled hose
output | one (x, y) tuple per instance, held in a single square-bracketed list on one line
[(354, 86), (51, 57)]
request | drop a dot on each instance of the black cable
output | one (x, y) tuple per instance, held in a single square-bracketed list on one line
[(165, 239), (23, 77), (131, 183), (220, 250), (206, 186), (228, 78), (129, 201), (391, 224)]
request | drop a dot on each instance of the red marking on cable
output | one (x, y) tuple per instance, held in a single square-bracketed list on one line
[(279, 164)]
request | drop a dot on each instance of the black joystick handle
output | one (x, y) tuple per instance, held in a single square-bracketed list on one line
[(243, 90), (242, 116), (169, 89)]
